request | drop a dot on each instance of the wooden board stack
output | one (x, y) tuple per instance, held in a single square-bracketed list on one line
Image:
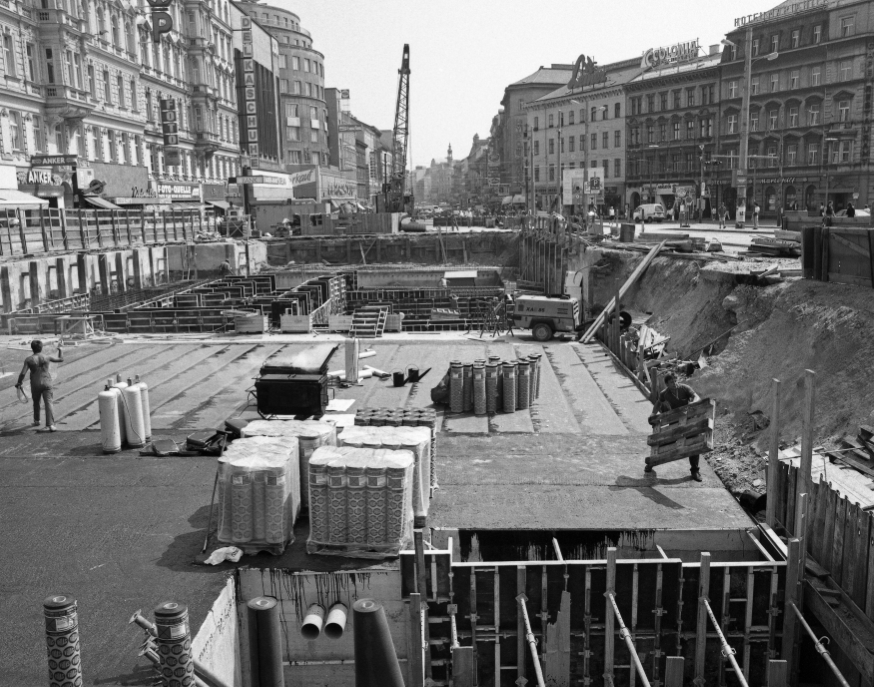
[(683, 432)]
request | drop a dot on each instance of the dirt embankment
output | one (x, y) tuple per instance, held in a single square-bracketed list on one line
[(776, 332)]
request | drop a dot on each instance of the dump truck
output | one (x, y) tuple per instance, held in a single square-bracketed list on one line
[(547, 316)]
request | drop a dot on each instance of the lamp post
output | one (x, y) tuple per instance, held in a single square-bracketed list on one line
[(745, 121)]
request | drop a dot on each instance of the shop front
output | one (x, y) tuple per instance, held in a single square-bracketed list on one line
[(12, 198), (162, 196), (100, 183)]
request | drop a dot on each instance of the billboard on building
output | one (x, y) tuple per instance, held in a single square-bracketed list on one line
[(579, 183)]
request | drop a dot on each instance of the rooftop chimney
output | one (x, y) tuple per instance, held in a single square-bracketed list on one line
[(714, 49)]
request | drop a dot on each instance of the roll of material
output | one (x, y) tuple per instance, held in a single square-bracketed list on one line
[(147, 407), (509, 386), (313, 621), (493, 378), (523, 383), (376, 663), (134, 427), (352, 347), (62, 641), (479, 390), (265, 642), (468, 386), (456, 387), (122, 413), (174, 644), (110, 428), (336, 621)]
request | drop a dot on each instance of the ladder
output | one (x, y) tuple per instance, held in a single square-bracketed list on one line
[(369, 322)]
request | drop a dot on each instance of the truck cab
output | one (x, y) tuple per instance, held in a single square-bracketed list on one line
[(547, 316)]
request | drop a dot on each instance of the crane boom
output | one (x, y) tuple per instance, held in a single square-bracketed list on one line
[(397, 199)]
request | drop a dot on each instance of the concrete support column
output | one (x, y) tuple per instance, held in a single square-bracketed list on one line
[(138, 268), (6, 290), (33, 275), (63, 285), (120, 276), (105, 274), (82, 272)]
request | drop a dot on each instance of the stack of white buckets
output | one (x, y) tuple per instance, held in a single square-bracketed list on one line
[(124, 414)]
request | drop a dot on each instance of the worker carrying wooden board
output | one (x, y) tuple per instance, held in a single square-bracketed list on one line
[(682, 427)]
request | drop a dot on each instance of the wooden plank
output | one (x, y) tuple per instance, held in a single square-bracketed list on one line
[(557, 650), (462, 667), (778, 674), (698, 409), (674, 671), (831, 506), (807, 428), (817, 522), (789, 523), (855, 247), (869, 584), (698, 426), (838, 540), (701, 625), (842, 278), (609, 618), (848, 565), (521, 649), (860, 582), (773, 455), (639, 270), (416, 653), (794, 566)]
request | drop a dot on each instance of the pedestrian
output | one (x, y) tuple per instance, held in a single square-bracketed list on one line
[(851, 211), (755, 215), (41, 382), (673, 397), (821, 209), (225, 268), (612, 214), (723, 215), (829, 214)]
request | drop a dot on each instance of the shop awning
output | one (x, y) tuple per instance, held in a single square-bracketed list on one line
[(43, 190), (14, 199), (101, 203), (518, 199), (220, 204)]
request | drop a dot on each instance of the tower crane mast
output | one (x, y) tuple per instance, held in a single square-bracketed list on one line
[(397, 197)]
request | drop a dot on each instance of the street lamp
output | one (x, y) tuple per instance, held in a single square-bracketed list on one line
[(828, 159)]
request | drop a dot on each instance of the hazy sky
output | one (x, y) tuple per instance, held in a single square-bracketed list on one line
[(464, 52)]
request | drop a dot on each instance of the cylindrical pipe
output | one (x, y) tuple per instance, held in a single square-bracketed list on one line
[(313, 622), (174, 644), (62, 641), (265, 642), (336, 621), (144, 623), (376, 663), (529, 636), (727, 651), (626, 635), (820, 647)]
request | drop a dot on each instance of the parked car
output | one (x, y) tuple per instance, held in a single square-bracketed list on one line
[(649, 212), (859, 213)]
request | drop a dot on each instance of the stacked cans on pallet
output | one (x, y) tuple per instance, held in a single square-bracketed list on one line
[(404, 417), (259, 495), (414, 439), (361, 501), (310, 435), (486, 387)]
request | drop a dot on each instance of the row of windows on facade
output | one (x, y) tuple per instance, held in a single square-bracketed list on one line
[(571, 142), (796, 38), (282, 22), (311, 90), (593, 115), (309, 66), (119, 147), (795, 154), (617, 169)]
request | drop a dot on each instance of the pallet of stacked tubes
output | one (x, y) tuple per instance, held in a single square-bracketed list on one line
[(404, 417), (486, 387)]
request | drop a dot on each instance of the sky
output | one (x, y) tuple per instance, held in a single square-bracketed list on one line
[(463, 53)]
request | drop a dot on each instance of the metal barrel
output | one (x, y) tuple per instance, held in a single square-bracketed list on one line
[(523, 384)]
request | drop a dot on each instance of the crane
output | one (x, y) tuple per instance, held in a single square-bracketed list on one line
[(397, 197)]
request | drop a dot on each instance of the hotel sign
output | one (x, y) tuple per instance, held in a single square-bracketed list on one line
[(781, 11), (655, 58), (586, 73)]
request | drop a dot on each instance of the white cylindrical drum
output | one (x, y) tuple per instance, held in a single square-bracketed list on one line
[(336, 621), (147, 409), (122, 413), (351, 360), (133, 419), (110, 425), (312, 622)]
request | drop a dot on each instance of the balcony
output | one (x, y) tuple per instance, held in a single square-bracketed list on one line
[(206, 142), (202, 91), (67, 102), (200, 43)]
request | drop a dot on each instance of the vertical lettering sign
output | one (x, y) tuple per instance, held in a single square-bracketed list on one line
[(250, 91), (162, 21), (170, 129)]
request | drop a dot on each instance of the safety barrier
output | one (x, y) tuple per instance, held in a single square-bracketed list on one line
[(45, 230)]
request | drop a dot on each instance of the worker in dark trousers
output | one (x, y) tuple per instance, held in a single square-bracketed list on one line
[(677, 396), (41, 382)]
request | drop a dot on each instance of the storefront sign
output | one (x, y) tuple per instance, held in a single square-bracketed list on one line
[(177, 191), (586, 73), (35, 176), (781, 11), (300, 178), (656, 58), (338, 189), (52, 160)]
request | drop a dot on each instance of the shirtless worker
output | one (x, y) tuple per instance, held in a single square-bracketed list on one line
[(677, 396), (41, 382)]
